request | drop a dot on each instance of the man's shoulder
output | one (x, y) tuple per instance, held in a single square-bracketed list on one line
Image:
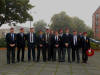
[(7, 34)]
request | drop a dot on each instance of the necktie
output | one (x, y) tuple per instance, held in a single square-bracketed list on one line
[(41, 36), (75, 39), (31, 38), (22, 35), (85, 38), (56, 38), (12, 35)]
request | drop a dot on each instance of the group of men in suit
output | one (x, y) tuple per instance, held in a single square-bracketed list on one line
[(49, 43)]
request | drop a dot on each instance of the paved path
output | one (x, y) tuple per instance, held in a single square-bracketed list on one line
[(50, 68)]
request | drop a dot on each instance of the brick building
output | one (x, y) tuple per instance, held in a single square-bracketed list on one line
[(96, 23)]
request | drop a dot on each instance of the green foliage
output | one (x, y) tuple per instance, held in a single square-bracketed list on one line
[(2, 42), (15, 11), (40, 25), (79, 24), (62, 20), (90, 33), (95, 46)]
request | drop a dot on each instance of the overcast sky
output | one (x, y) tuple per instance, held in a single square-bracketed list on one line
[(45, 9)]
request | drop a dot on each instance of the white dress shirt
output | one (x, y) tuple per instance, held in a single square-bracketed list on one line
[(85, 37), (31, 38), (75, 39), (56, 37)]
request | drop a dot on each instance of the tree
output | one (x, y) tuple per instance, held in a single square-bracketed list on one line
[(90, 33), (40, 25), (79, 24), (14, 11), (61, 20)]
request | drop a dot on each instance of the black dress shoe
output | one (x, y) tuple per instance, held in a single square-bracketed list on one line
[(13, 62), (22, 60), (73, 60), (29, 60), (85, 62), (8, 62), (18, 61), (78, 61), (37, 61), (69, 62), (63, 61)]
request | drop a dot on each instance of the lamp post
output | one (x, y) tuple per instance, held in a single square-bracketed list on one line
[(30, 20)]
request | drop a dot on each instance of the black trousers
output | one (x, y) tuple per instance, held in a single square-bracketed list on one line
[(47, 47), (75, 52), (54, 53), (84, 55), (19, 49), (68, 53), (31, 50), (61, 54), (39, 49), (51, 52), (10, 51)]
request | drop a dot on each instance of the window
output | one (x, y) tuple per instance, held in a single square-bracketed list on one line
[(96, 22), (97, 30), (97, 16)]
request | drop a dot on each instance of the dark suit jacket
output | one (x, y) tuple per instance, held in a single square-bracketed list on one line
[(78, 42), (41, 40), (80, 36), (48, 39), (85, 43), (67, 39), (21, 40), (9, 39), (34, 39), (61, 42), (51, 42), (55, 42)]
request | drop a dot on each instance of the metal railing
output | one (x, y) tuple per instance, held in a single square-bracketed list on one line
[(95, 41)]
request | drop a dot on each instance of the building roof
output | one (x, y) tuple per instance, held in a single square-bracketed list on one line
[(98, 9)]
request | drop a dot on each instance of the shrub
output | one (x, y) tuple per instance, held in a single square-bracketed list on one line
[(95, 46), (2, 42)]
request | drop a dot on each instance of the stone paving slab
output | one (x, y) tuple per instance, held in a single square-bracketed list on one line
[(50, 68)]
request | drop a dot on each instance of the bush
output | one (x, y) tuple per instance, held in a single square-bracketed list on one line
[(2, 42), (95, 46)]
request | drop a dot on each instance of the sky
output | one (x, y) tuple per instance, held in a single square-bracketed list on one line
[(45, 9)]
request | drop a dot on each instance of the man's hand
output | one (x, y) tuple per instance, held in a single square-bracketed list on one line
[(12, 45), (41, 45), (57, 45), (66, 44)]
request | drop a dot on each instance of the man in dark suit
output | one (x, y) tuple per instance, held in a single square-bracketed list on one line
[(80, 36), (11, 44), (41, 46), (85, 47), (75, 41), (47, 46), (56, 39), (51, 44), (31, 39), (21, 44), (67, 44), (61, 51)]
